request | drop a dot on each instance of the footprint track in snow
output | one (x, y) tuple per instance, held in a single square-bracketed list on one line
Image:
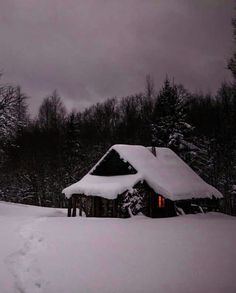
[(23, 263)]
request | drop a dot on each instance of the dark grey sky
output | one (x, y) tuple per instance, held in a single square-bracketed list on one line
[(93, 49)]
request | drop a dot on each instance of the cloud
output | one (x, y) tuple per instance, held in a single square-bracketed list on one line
[(93, 49)]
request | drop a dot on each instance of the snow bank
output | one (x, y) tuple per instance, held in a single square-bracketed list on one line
[(166, 174), (187, 254), (10, 209)]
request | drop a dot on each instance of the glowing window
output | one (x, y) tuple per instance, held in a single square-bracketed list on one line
[(161, 201)]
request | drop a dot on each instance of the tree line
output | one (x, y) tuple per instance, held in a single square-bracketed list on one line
[(40, 156)]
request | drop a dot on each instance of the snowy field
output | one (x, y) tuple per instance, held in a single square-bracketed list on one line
[(41, 250)]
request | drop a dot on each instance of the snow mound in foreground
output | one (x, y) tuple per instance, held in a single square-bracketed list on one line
[(187, 254)]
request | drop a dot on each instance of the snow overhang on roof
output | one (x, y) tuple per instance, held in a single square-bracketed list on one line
[(167, 174)]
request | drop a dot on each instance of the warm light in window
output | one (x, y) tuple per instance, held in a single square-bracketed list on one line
[(161, 201)]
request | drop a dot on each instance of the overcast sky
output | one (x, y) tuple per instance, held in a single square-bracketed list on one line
[(90, 50)]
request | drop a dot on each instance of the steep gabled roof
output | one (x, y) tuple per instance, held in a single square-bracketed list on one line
[(166, 174)]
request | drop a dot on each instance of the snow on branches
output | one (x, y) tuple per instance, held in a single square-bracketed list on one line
[(12, 113)]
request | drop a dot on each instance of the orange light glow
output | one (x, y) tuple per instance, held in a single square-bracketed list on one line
[(161, 201)]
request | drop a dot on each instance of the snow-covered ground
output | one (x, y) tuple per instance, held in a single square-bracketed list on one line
[(41, 250)]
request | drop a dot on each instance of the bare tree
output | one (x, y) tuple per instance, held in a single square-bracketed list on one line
[(12, 112), (52, 112)]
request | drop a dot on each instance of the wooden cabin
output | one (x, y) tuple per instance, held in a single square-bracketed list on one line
[(131, 179)]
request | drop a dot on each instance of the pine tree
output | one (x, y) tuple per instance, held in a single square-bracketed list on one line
[(226, 139), (169, 127), (71, 148)]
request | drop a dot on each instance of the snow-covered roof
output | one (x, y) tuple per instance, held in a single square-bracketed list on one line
[(167, 174)]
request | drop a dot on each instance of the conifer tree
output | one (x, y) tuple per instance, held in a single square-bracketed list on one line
[(169, 127)]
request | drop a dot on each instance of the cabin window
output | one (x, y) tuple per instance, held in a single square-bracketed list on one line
[(161, 201)]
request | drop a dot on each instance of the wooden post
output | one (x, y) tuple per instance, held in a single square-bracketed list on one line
[(69, 207), (74, 198), (150, 205), (80, 206), (154, 151)]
